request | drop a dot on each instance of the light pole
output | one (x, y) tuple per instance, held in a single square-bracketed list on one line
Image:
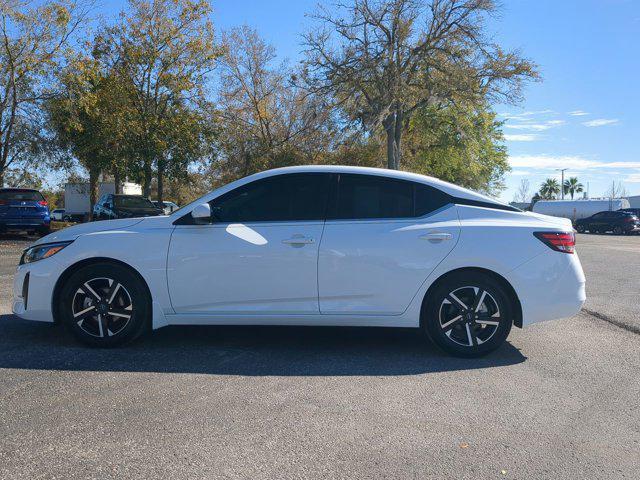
[(562, 181)]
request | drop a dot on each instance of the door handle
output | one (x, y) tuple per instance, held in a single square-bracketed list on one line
[(436, 236), (298, 240)]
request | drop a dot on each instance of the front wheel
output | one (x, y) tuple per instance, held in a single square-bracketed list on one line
[(617, 230), (105, 305), (468, 315), (580, 228)]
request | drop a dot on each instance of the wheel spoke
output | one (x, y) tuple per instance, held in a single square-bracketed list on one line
[(89, 292), (82, 314), (100, 326), (488, 322), (477, 301), (471, 338), (118, 312), (451, 322), (453, 299), (111, 294)]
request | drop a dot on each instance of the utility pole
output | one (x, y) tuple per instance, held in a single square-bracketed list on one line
[(562, 184)]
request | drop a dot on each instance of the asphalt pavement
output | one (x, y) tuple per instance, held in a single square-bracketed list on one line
[(559, 400)]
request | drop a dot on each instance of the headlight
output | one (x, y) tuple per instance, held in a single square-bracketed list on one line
[(38, 252)]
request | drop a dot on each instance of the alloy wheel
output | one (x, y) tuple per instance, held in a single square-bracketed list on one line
[(102, 307), (469, 316)]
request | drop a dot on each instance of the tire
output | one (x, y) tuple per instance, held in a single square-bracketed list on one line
[(66, 218), (44, 231), (105, 305), (617, 230), (456, 327), (580, 228)]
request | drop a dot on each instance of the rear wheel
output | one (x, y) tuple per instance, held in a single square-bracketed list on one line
[(468, 315), (105, 305)]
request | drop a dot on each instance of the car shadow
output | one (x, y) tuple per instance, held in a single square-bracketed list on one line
[(246, 350)]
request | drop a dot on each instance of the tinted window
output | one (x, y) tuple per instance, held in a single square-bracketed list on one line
[(368, 196), (21, 195), (126, 201), (275, 199)]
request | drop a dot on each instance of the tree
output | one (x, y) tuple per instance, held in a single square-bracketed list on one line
[(166, 50), (33, 39), (266, 121), (90, 115), (572, 186), (523, 194), (461, 144), (549, 189), (383, 60), (616, 190)]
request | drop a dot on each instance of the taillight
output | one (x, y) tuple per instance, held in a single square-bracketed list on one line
[(4, 202), (630, 219), (43, 203), (564, 242)]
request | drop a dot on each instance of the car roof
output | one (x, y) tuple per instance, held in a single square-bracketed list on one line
[(12, 189)]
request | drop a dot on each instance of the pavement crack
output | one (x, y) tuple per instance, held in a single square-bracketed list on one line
[(600, 316)]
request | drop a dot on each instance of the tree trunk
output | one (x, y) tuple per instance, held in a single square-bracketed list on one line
[(146, 186), (160, 180), (393, 127), (94, 173), (116, 180), (1, 178)]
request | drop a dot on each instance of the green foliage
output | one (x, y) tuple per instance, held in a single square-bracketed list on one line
[(549, 189), (572, 186), (459, 145)]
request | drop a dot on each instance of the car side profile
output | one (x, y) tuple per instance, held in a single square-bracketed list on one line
[(619, 222), (313, 245)]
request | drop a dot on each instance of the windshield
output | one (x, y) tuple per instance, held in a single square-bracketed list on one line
[(21, 195), (126, 201)]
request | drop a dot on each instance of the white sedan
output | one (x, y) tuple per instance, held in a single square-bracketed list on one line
[(311, 246)]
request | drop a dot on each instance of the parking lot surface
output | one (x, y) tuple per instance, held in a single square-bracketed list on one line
[(559, 400)]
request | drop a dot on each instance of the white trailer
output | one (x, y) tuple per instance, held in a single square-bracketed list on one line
[(76, 197), (576, 209)]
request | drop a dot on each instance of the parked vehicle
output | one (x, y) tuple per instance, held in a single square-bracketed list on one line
[(167, 207), (312, 245), (77, 203), (24, 209), (619, 223), (111, 206), (633, 211), (577, 209), (57, 214)]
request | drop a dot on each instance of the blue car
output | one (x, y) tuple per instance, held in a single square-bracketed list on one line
[(23, 209)]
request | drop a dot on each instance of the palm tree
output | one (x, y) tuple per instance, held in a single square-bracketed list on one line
[(549, 189), (572, 186)]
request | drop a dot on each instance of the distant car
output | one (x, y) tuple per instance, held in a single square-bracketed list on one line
[(23, 209), (633, 211), (57, 214), (112, 205), (618, 222), (167, 207)]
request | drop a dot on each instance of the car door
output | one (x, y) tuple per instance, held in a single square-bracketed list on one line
[(595, 223), (382, 239), (260, 254)]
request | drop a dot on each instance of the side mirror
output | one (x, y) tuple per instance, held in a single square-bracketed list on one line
[(201, 214)]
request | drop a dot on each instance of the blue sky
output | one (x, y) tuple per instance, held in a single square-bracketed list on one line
[(583, 115)]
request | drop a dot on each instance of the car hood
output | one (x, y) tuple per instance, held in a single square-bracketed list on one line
[(71, 233)]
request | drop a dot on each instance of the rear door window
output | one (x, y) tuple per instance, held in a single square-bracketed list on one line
[(11, 196), (376, 197)]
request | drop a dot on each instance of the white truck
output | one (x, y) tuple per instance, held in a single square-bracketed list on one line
[(577, 209), (77, 204)]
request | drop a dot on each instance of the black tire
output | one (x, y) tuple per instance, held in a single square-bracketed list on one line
[(580, 228), (617, 230), (115, 291), (478, 331), (66, 218)]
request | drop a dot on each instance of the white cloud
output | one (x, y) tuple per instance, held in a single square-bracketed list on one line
[(535, 127), (599, 122), (523, 115), (571, 162), (522, 137), (520, 172), (633, 178), (578, 113)]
